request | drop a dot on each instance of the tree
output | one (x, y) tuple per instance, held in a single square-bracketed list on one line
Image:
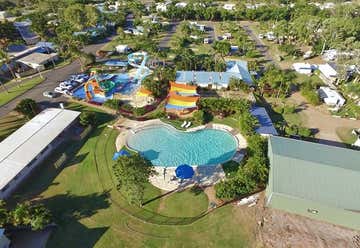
[(28, 107), (222, 47), (202, 116), (238, 84), (4, 214), (6, 60), (87, 118), (247, 123), (132, 173), (86, 59)]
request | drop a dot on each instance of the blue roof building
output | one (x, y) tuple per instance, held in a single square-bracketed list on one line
[(265, 127), (234, 69)]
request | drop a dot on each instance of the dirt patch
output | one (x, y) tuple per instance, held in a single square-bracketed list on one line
[(211, 194), (281, 229), (320, 119)]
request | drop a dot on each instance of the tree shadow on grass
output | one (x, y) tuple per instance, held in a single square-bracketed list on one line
[(67, 210)]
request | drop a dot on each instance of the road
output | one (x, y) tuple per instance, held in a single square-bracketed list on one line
[(260, 46), (164, 42), (51, 81)]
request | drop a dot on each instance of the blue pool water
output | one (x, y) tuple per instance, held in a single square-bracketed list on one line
[(165, 146), (123, 85)]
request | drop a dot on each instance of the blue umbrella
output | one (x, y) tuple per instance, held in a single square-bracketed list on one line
[(120, 154), (184, 171)]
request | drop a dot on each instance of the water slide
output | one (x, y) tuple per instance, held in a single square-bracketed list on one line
[(143, 92), (134, 60), (182, 89), (181, 102)]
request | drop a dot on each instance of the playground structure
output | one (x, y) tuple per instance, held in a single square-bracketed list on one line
[(98, 86), (182, 99), (103, 87)]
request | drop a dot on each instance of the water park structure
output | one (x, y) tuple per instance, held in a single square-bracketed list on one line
[(182, 99), (100, 87)]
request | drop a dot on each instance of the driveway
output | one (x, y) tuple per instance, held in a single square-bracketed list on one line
[(164, 42), (260, 46), (52, 79)]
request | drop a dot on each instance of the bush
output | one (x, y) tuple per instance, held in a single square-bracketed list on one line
[(157, 114), (127, 107), (247, 123), (87, 118), (304, 132), (113, 103), (311, 96), (289, 109), (27, 107), (139, 111)]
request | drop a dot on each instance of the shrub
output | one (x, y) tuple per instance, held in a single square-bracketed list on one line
[(247, 123), (27, 107), (139, 111), (87, 118), (113, 103), (127, 107), (304, 132), (289, 109), (311, 96)]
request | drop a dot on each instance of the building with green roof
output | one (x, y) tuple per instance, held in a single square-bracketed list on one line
[(314, 180)]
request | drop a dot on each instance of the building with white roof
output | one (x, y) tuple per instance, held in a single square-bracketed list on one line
[(122, 48), (331, 97), (328, 74), (303, 68), (229, 6), (23, 150), (38, 60), (181, 5)]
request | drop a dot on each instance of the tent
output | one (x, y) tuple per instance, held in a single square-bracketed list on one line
[(120, 153), (184, 171)]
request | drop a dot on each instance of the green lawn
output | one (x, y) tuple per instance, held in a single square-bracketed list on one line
[(90, 212), (229, 121), (16, 91), (10, 123), (177, 204), (344, 133)]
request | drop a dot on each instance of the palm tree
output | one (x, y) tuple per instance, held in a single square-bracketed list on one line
[(5, 58)]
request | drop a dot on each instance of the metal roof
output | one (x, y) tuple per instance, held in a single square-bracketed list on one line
[(315, 172), (21, 147), (234, 69), (265, 123)]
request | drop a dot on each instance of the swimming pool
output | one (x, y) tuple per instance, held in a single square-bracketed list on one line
[(166, 146)]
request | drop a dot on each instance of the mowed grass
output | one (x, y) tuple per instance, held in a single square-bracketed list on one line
[(90, 212), (15, 91), (178, 204), (10, 123)]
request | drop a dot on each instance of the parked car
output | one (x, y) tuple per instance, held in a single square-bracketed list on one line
[(49, 94), (67, 86), (261, 36), (59, 90)]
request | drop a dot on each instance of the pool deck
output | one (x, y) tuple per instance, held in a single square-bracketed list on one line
[(165, 178)]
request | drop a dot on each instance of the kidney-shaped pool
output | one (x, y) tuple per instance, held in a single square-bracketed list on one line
[(166, 146)]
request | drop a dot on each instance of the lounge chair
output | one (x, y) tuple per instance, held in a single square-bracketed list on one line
[(184, 124), (188, 125)]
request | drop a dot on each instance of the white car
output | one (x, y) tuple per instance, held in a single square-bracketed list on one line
[(49, 94), (59, 90), (66, 86)]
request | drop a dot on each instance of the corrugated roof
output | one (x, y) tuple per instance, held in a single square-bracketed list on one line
[(266, 126), (235, 69), (21, 147), (316, 172)]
